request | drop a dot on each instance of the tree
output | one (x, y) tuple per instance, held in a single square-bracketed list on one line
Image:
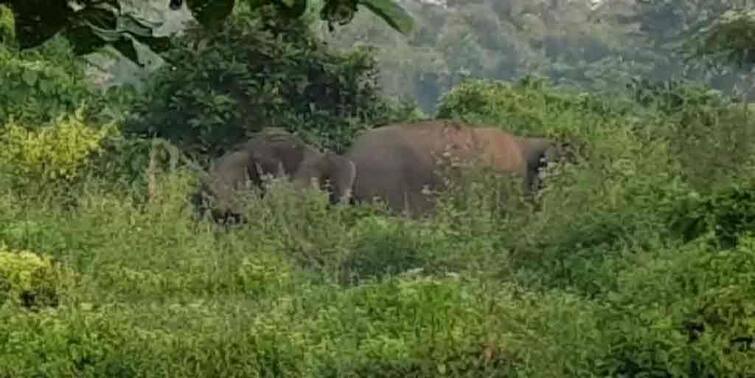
[(730, 40), (93, 24), (219, 86)]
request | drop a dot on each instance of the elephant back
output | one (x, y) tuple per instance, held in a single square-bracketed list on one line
[(501, 150), (271, 151)]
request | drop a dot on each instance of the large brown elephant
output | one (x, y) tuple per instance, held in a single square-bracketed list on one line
[(271, 152), (396, 163)]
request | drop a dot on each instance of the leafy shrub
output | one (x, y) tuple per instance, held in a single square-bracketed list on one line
[(641, 161), (595, 215), (715, 146), (589, 213), (57, 153), (673, 96), (28, 234), (425, 327), (726, 215), (219, 86), (684, 312), (385, 248), (43, 84), (28, 279), (123, 163), (528, 107), (709, 134)]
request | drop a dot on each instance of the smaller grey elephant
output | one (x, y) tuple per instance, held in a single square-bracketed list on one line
[(271, 152)]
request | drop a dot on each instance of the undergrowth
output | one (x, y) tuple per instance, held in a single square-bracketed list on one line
[(628, 265)]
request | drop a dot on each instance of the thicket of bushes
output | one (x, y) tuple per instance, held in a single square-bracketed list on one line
[(632, 264), (220, 86)]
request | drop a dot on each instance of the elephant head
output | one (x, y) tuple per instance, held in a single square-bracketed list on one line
[(540, 153), (330, 172), (271, 152)]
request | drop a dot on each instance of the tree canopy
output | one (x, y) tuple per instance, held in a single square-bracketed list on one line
[(585, 44)]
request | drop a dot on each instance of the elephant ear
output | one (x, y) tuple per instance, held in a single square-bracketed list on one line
[(340, 173), (261, 164), (566, 151), (555, 152)]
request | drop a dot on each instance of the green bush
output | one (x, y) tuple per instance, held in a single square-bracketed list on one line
[(158, 287), (42, 85), (217, 87), (714, 145), (384, 248), (709, 134), (29, 280), (726, 215), (684, 312), (59, 153), (588, 213)]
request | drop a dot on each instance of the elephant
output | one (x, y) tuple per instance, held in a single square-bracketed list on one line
[(270, 152), (397, 162), (328, 171)]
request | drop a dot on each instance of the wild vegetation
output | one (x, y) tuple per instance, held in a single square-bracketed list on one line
[(637, 260), (594, 45)]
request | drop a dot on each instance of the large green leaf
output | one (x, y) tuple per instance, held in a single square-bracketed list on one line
[(143, 31), (392, 13), (94, 28), (137, 25)]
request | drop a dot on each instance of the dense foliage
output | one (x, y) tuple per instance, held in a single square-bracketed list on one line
[(220, 86), (625, 269), (41, 85), (636, 260), (729, 39)]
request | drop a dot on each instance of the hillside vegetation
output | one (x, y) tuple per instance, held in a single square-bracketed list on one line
[(637, 260)]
